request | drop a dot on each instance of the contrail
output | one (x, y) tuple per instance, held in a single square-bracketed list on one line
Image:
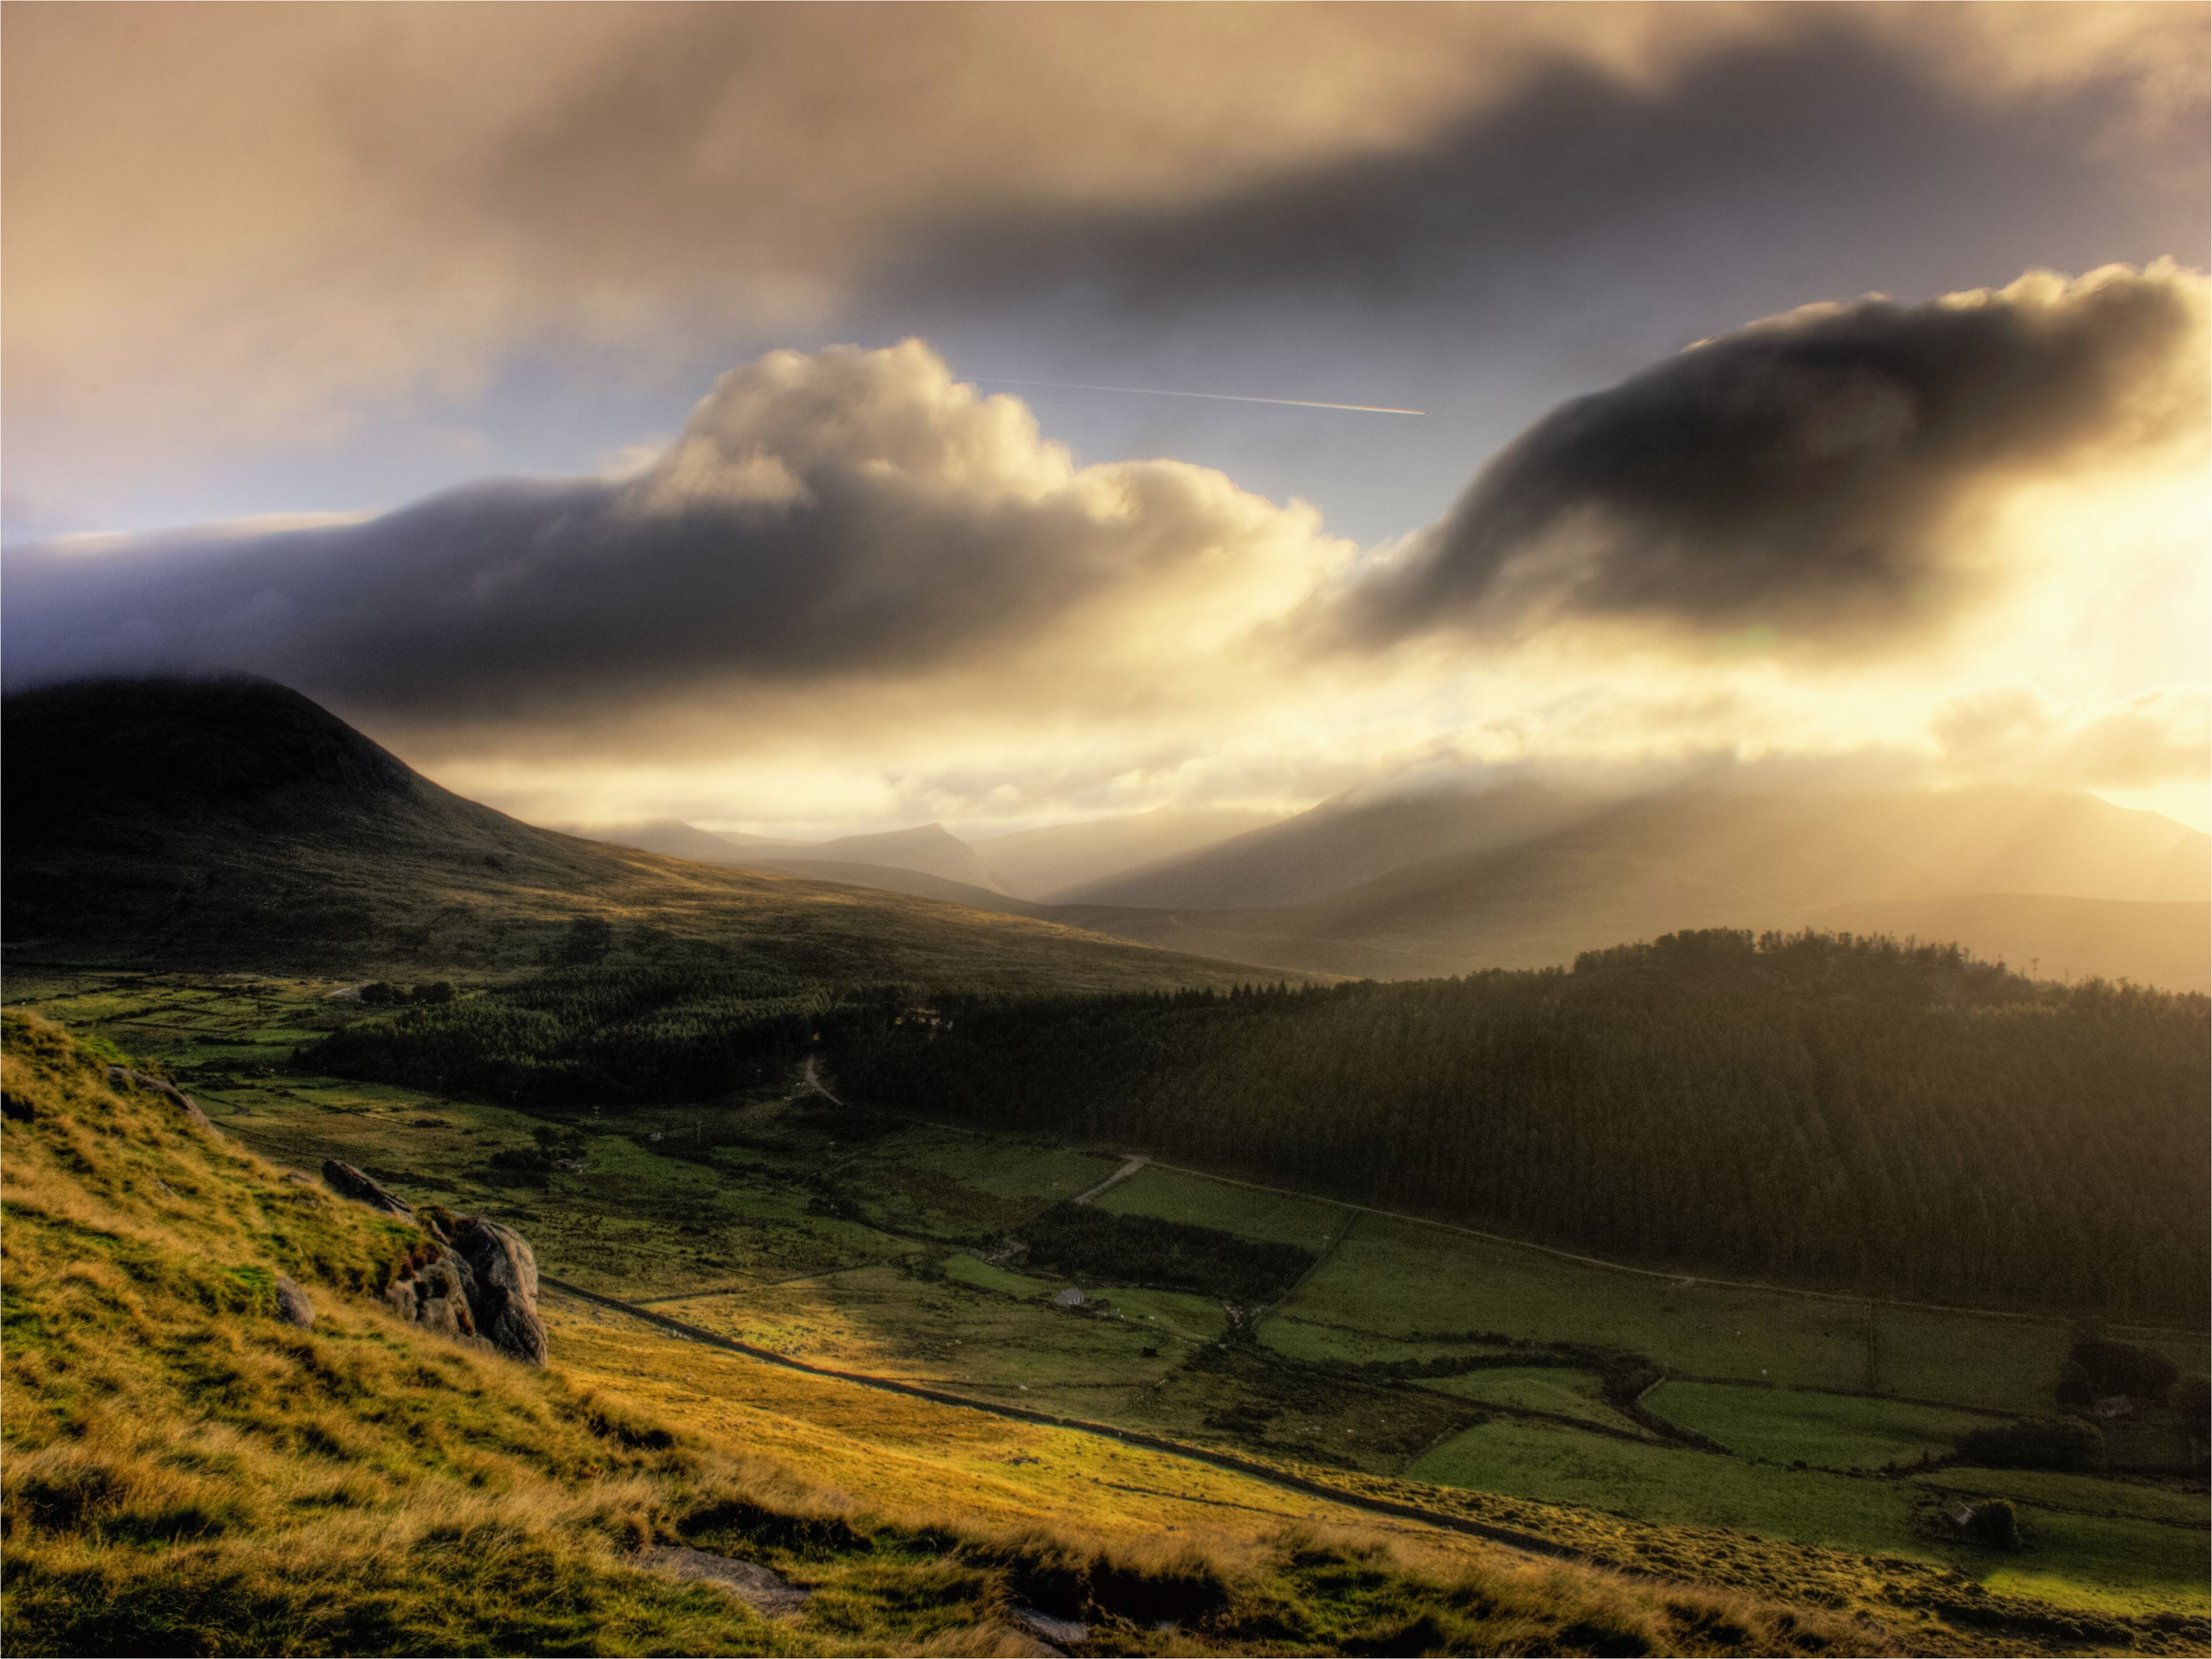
[(1219, 397)]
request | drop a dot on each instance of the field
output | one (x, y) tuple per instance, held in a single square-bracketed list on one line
[(1827, 1431), (1413, 1359)]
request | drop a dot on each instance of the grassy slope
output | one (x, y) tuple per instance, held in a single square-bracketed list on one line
[(186, 1474)]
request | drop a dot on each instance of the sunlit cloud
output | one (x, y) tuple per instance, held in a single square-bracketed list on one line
[(1881, 545), (1824, 477)]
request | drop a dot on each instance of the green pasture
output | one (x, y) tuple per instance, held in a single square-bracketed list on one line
[(1197, 1200), (2103, 1562), (1825, 1430), (937, 1184), (1298, 1337), (952, 1333), (1401, 1279), (1535, 1388), (2175, 1503)]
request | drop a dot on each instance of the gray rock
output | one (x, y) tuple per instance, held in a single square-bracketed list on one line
[(292, 1304), (1043, 1625), (504, 1292), (348, 1183), (476, 1278), (759, 1588), (123, 1076), (447, 1316)]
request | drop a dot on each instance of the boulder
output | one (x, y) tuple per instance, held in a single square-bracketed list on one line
[(762, 1589), (471, 1278), (504, 1294), (292, 1304), (348, 1183), (123, 1076)]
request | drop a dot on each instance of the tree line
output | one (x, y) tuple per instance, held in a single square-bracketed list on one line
[(592, 1035)]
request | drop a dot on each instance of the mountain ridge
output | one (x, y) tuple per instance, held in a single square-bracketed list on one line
[(236, 822)]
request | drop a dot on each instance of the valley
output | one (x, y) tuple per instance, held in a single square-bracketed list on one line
[(1745, 1437)]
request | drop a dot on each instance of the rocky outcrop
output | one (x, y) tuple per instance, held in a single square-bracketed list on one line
[(503, 1286), (348, 1183), (432, 1288), (292, 1304), (470, 1279), (123, 1076), (473, 1280)]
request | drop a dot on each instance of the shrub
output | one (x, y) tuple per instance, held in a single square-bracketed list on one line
[(1994, 1523), (2121, 1368), (2036, 1442)]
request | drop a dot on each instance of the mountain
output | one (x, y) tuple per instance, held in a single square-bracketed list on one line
[(890, 878), (1882, 846), (930, 849), (672, 837), (1337, 844), (1699, 859), (1058, 860), (235, 824)]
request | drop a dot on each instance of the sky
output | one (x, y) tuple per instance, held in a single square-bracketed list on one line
[(628, 411)]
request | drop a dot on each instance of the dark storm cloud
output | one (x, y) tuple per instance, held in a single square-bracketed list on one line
[(1822, 145), (846, 515), (1812, 473)]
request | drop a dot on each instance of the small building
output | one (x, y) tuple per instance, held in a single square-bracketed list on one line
[(1070, 1297), (2115, 1406)]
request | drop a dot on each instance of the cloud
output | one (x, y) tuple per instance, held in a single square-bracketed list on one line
[(1814, 477), (854, 592), (850, 519), (1814, 139), (2157, 736), (257, 226)]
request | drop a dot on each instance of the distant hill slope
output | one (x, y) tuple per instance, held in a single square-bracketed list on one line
[(1052, 863), (237, 823), (928, 850), (1662, 863), (1338, 845), (671, 837), (1854, 846), (890, 878)]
